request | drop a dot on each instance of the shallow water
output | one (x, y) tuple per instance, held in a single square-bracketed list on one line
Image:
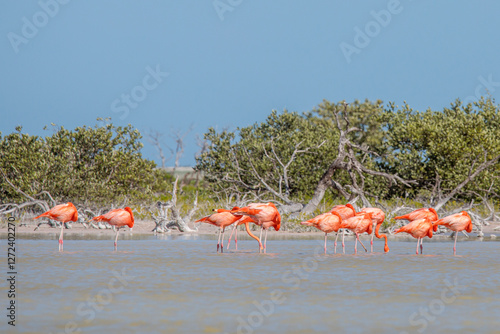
[(174, 284)]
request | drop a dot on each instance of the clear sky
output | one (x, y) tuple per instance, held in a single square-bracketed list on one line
[(172, 65)]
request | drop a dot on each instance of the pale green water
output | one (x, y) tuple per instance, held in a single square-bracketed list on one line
[(180, 285)]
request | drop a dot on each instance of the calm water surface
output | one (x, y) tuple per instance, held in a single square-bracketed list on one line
[(174, 284)]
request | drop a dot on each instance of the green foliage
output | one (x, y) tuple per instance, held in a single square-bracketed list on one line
[(91, 165), (444, 144), (367, 117), (363, 115), (265, 150), (288, 152), (251, 157), (423, 146)]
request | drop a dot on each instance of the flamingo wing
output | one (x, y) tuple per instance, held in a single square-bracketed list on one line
[(456, 222), (62, 212)]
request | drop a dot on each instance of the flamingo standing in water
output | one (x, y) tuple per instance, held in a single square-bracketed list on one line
[(378, 217), (221, 218), (419, 229), (326, 222), (458, 222), (345, 212), (358, 224), (265, 215), (118, 218), (62, 213), (245, 221)]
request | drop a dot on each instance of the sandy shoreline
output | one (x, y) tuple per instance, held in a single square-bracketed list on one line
[(146, 227)]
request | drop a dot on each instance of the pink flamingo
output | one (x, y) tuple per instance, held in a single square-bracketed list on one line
[(428, 213), (241, 221), (419, 229), (221, 218), (345, 212), (378, 217), (358, 224), (265, 215), (119, 218), (326, 222), (458, 222), (62, 213)]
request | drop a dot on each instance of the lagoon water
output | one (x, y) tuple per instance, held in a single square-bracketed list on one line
[(179, 284)]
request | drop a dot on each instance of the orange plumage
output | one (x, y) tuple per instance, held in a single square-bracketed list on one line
[(358, 224), (326, 222), (378, 217), (428, 213), (419, 229), (63, 213), (265, 215), (458, 222), (220, 219), (345, 211), (118, 218), (223, 218)]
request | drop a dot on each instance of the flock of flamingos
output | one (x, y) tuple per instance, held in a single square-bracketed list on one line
[(422, 222)]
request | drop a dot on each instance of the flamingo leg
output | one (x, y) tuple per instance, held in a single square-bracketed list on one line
[(418, 241), (326, 235), (371, 241), (116, 238), (230, 235), (260, 238), (260, 246), (356, 245), (421, 245), (61, 238), (222, 241), (455, 244), (335, 244), (357, 236), (218, 240), (265, 242), (235, 237), (343, 246)]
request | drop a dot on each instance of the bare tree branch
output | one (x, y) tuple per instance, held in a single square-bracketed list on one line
[(202, 144), (180, 145), (346, 160), (163, 224), (33, 201), (263, 182), (154, 137), (485, 165)]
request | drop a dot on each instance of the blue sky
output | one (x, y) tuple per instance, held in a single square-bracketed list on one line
[(228, 63)]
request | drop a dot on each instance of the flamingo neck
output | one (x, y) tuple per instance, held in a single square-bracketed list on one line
[(386, 247), (252, 235)]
